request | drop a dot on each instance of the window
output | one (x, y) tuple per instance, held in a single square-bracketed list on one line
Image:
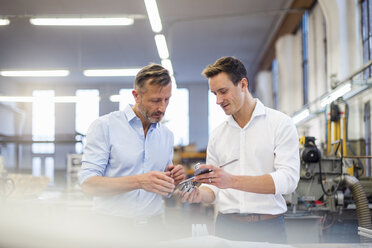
[(215, 113), (177, 116), (305, 62), (86, 111), (43, 129), (43, 121), (49, 168), (367, 34), (126, 98), (36, 166)]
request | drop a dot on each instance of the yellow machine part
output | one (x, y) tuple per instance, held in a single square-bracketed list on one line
[(336, 128), (302, 140)]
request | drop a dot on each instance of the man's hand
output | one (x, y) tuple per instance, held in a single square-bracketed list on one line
[(218, 177), (176, 172), (192, 197), (157, 182)]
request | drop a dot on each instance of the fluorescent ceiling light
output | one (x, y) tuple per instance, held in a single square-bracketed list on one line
[(154, 17), (115, 98), (167, 64), (16, 98), (119, 21), (74, 99), (297, 118), (338, 92), (36, 73), (112, 72), (4, 21), (174, 83), (56, 99), (161, 45)]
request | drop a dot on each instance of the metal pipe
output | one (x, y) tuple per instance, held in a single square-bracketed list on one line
[(361, 203), (367, 157)]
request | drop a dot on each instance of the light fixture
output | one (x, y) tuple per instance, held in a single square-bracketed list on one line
[(111, 72), (338, 92), (4, 21), (161, 45), (167, 64), (35, 73), (115, 98), (74, 99), (174, 84), (302, 115), (16, 98), (154, 16), (56, 99), (109, 21), (160, 41)]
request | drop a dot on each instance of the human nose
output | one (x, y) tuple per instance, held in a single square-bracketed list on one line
[(162, 106), (219, 99)]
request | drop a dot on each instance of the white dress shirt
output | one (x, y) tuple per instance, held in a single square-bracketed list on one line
[(268, 144)]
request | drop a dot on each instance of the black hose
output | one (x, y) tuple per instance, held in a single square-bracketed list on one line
[(321, 179)]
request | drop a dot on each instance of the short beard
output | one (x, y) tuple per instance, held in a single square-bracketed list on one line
[(147, 116)]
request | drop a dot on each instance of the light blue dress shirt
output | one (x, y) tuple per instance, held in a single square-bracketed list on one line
[(116, 146)]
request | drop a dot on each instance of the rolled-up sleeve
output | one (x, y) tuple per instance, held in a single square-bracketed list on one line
[(287, 161), (96, 151)]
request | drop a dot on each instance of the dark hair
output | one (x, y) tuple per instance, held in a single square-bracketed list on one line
[(230, 65), (157, 73)]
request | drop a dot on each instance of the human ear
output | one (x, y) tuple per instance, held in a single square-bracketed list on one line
[(135, 94), (244, 83)]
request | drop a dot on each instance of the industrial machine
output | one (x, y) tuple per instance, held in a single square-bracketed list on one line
[(329, 182)]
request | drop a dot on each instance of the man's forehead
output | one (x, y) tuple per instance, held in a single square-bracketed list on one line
[(215, 89), (220, 85), (154, 89)]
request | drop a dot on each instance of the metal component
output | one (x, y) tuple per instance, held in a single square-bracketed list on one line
[(339, 198), (188, 185)]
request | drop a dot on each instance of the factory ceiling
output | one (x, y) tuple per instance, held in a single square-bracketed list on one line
[(197, 33)]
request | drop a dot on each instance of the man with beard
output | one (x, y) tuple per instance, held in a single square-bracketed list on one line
[(127, 162)]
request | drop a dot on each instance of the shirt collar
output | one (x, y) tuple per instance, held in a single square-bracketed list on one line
[(259, 109), (129, 113)]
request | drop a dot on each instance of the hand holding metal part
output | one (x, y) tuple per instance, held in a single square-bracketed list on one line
[(188, 185)]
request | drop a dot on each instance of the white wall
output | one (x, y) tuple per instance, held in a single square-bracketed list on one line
[(264, 88), (343, 37), (333, 61), (344, 56), (317, 55), (288, 54)]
